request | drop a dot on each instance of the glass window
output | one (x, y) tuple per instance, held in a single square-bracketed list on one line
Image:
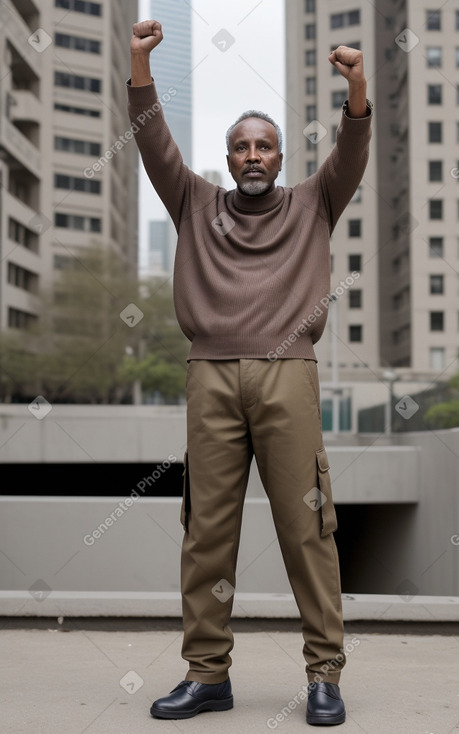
[(433, 20), (338, 99), (355, 333), (310, 31), (310, 58), (311, 85), (355, 299), (437, 320), (437, 358), (434, 94), (310, 6), (355, 228), (436, 284), (434, 56), (436, 208), (435, 132), (355, 263), (435, 170), (310, 112), (435, 246), (311, 168)]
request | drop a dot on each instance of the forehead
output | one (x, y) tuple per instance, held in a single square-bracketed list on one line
[(253, 128)]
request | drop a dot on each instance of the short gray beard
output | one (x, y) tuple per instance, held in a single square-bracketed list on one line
[(254, 188)]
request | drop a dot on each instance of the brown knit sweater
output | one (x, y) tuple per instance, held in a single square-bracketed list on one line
[(250, 271)]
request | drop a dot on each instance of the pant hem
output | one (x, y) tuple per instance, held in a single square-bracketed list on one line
[(208, 678)]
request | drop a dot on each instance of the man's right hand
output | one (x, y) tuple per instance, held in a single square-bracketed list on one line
[(146, 35)]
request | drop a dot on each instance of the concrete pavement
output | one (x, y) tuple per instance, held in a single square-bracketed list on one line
[(100, 677)]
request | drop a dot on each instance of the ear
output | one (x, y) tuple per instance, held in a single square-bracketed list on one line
[(228, 163), (281, 158)]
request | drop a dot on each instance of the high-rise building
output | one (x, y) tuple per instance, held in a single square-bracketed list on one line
[(171, 65), (399, 233), (67, 158)]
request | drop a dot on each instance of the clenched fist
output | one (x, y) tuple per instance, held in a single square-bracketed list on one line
[(146, 36), (349, 62)]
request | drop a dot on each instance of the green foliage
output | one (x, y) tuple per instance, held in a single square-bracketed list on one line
[(84, 352), (443, 415)]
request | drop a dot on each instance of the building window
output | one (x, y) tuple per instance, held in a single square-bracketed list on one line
[(436, 209), (434, 56), (457, 20), (311, 85), (70, 145), (22, 235), (355, 263), (434, 94), (334, 133), (74, 81), (437, 320), (437, 358), (75, 183), (72, 221), (342, 20), (76, 110), (355, 298), (310, 31), (435, 170), (338, 99), (79, 6), (433, 20), (436, 285), (355, 333), (310, 6), (21, 319), (22, 278), (435, 246), (311, 112), (354, 228), (435, 132), (310, 57), (77, 43), (311, 167), (457, 57)]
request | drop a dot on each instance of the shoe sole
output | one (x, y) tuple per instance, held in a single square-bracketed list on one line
[(326, 720), (217, 705)]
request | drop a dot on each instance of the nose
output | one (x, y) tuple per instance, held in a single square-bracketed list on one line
[(253, 155)]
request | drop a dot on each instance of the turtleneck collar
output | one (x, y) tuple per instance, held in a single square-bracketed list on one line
[(257, 204)]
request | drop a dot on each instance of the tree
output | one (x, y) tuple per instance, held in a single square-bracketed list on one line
[(445, 414), (84, 343)]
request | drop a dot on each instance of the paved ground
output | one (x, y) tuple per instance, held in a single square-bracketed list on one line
[(92, 677)]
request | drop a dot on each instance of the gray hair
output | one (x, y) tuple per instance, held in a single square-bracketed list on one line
[(261, 116)]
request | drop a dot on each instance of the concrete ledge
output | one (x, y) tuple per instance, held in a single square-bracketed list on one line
[(356, 607)]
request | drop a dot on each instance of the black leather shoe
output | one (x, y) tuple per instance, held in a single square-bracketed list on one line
[(325, 705), (190, 698)]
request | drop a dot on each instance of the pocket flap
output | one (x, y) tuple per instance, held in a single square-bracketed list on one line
[(322, 460)]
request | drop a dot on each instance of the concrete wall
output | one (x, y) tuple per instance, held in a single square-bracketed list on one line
[(397, 508)]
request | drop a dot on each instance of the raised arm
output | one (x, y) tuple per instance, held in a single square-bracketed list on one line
[(349, 62), (145, 37), (342, 171)]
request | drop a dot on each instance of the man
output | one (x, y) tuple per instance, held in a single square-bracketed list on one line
[(252, 265)]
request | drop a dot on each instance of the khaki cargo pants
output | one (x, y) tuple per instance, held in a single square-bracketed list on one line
[(237, 409)]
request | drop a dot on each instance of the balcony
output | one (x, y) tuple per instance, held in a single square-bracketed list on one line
[(24, 106), (19, 147)]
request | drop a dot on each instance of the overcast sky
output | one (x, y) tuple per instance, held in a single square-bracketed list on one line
[(245, 70)]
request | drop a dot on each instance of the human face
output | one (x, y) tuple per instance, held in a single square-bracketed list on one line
[(254, 160)]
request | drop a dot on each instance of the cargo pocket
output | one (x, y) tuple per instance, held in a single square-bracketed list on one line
[(186, 504), (327, 508)]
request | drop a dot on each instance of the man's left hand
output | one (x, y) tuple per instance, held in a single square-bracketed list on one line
[(349, 62)]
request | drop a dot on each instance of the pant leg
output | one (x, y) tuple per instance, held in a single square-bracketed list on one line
[(287, 439), (219, 454)]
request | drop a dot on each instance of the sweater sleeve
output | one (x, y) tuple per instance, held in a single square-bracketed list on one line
[(174, 182), (342, 171)]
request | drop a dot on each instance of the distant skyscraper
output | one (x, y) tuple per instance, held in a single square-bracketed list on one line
[(171, 67)]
